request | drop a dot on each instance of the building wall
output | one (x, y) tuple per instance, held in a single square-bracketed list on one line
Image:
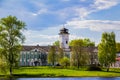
[(33, 58)]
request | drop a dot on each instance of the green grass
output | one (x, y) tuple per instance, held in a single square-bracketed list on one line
[(54, 72)]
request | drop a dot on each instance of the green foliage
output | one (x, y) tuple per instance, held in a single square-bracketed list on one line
[(79, 56), (60, 54), (118, 47), (76, 42), (52, 55), (56, 43), (88, 43), (11, 38), (65, 62), (3, 66), (107, 49), (82, 42)]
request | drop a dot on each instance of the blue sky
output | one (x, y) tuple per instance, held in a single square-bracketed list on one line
[(83, 18)]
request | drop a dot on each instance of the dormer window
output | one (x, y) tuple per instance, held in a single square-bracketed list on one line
[(35, 50)]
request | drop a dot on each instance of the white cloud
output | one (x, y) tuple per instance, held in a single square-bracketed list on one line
[(41, 11), (36, 37), (95, 25), (72, 37), (82, 12), (41, 8), (105, 4), (74, 12)]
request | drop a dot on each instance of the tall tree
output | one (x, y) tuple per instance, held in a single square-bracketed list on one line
[(107, 49), (79, 54), (52, 55), (11, 39)]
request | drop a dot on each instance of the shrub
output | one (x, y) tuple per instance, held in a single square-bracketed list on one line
[(94, 68), (65, 62)]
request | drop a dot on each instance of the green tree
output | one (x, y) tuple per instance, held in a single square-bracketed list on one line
[(52, 55), (65, 61), (11, 39), (79, 53), (107, 49), (118, 46), (60, 54), (79, 56), (56, 43), (82, 42), (76, 42), (88, 43)]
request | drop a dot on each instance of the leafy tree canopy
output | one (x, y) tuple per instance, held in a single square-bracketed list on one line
[(56, 43), (82, 42)]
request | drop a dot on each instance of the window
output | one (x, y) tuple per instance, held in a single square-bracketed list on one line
[(66, 42), (35, 50)]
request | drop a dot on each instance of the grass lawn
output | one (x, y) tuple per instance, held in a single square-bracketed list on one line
[(53, 72)]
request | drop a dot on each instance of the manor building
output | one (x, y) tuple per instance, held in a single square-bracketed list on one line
[(37, 55)]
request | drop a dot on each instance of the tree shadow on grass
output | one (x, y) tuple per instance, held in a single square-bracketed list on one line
[(36, 75), (24, 68), (112, 71)]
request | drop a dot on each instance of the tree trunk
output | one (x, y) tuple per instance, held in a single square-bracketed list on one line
[(78, 64), (108, 68), (66, 65), (10, 70)]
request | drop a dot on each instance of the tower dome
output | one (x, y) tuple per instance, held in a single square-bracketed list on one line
[(63, 31)]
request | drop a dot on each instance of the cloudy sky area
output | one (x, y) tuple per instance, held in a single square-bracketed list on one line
[(83, 18)]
